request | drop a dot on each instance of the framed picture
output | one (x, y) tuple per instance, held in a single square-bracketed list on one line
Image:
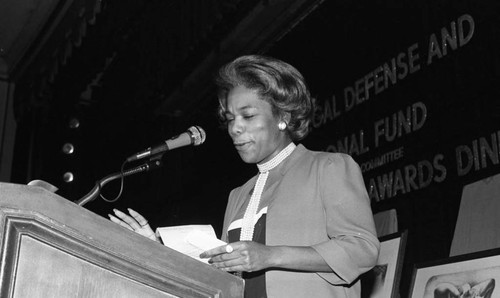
[(383, 280), (469, 275)]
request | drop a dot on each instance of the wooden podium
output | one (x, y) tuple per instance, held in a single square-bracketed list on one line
[(51, 247)]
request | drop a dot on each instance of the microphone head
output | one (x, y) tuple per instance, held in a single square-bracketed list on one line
[(198, 135)]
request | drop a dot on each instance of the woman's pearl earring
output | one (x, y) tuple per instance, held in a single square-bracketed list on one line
[(282, 125)]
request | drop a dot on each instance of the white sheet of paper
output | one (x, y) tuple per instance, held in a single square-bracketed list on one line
[(190, 240)]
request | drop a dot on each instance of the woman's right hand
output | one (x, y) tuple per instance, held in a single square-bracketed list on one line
[(134, 222)]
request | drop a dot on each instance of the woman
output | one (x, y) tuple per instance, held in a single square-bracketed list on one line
[(303, 226)]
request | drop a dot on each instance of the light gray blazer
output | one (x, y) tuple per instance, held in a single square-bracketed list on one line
[(318, 199)]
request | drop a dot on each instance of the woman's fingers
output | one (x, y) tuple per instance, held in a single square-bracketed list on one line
[(134, 222), (216, 251), (118, 221), (246, 256), (230, 265), (138, 217), (127, 219)]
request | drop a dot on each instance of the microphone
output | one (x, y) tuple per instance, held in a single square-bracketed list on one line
[(195, 135)]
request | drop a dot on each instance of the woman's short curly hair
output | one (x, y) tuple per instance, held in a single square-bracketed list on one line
[(275, 81)]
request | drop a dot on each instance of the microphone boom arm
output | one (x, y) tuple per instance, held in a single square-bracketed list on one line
[(147, 166)]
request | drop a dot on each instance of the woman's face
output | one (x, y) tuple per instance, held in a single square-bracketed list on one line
[(252, 126)]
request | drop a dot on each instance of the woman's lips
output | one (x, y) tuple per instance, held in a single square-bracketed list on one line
[(240, 146)]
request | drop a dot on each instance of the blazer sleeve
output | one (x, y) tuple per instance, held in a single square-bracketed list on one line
[(353, 246)]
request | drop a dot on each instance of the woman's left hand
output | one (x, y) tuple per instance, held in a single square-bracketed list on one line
[(245, 256)]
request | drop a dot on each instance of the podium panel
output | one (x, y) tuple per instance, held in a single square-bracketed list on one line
[(51, 247)]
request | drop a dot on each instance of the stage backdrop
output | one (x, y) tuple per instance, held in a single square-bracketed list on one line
[(410, 90)]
